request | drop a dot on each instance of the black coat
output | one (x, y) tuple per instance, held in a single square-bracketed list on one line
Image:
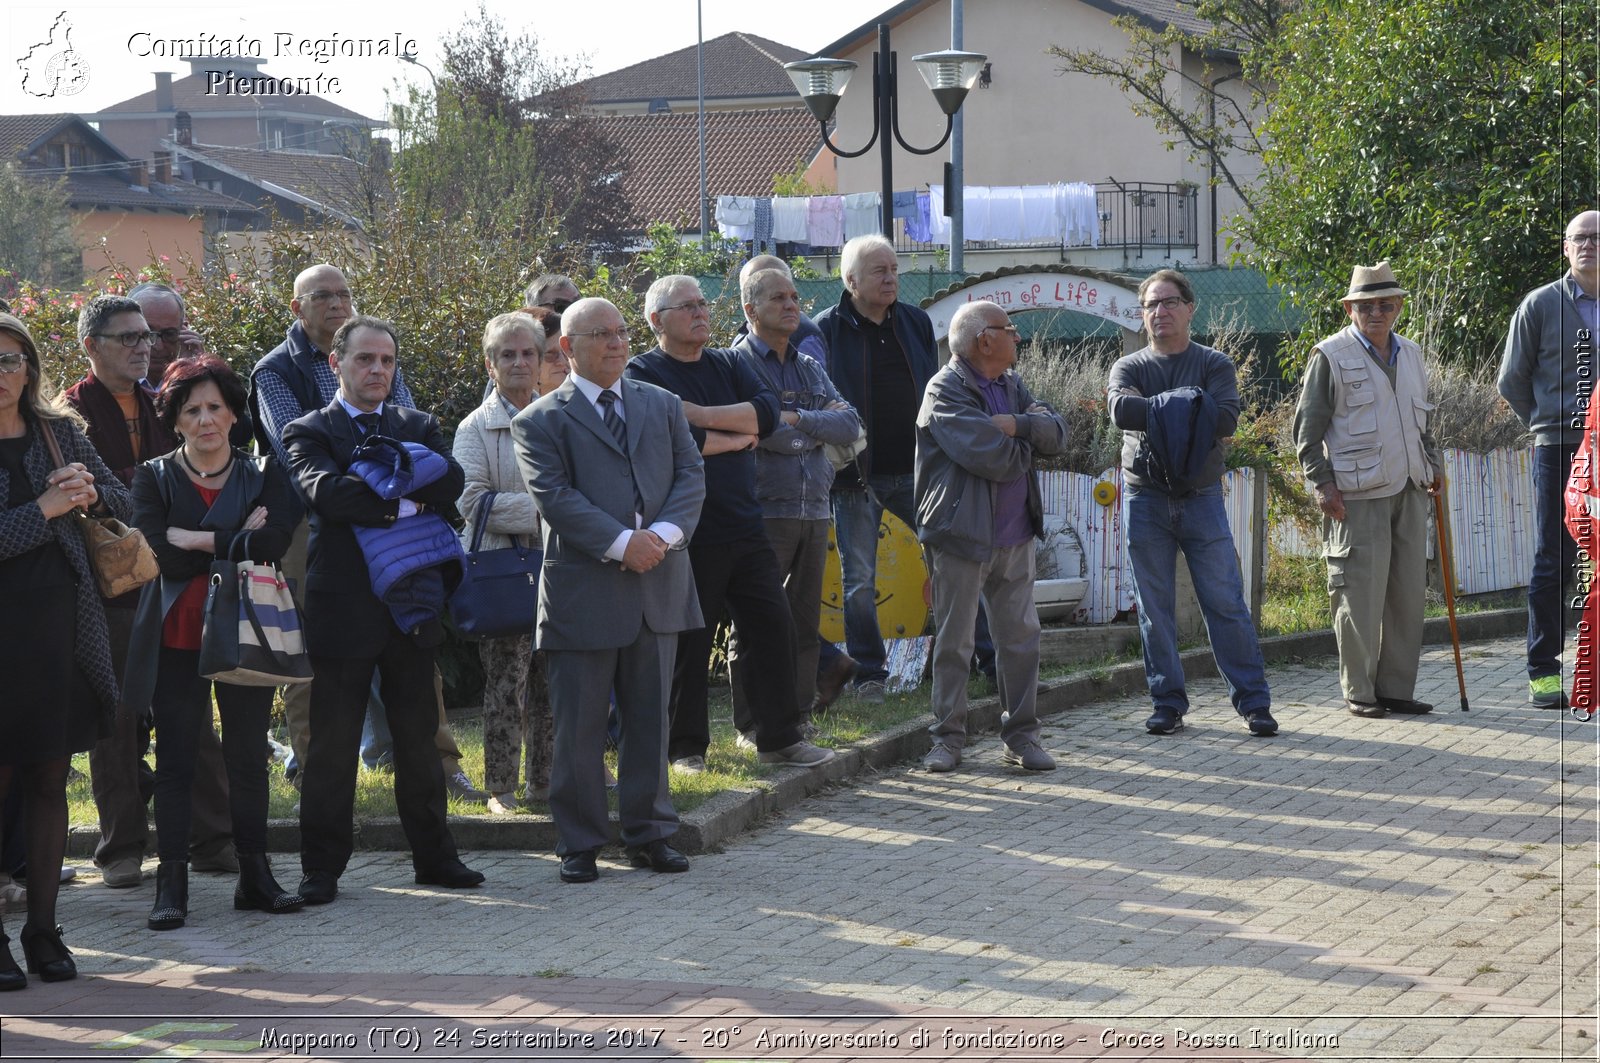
[(343, 617), (164, 497)]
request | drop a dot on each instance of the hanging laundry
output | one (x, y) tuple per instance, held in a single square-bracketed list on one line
[(1005, 213), (904, 204), (789, 218), (763, 227), (938, 220), (825, 221), (917, 221), (863, 214), (736, 217)]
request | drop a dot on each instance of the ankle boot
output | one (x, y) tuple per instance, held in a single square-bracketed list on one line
[(172, 896), (47, 957), (11, 976), (258, 891)]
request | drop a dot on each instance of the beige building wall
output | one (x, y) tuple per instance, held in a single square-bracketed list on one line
[(1033, 125), (131, 237)]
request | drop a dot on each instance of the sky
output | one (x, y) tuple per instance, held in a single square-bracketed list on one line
[(118, 46)]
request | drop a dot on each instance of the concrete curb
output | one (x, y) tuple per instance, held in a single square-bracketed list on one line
[(733, 812)]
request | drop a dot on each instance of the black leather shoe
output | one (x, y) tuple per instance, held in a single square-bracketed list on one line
[(46, 956), (11, 976), (172, 896), (452, 874), (1405, 706), (579, 867), (658, 856), (319, 887)]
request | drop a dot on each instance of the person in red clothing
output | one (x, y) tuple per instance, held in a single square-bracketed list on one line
[(203, 501)]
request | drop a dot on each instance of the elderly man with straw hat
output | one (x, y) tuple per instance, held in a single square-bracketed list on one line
[(1362, 431)]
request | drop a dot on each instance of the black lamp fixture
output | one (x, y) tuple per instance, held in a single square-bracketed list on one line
[(821, 82)]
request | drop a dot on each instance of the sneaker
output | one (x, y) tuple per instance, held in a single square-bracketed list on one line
[(1031, 756), (503, 804), (13, 894), (122, 874), (800, 755), (942, 757), (1260, 723), (690, 765), (871, 691), (745, 740), (459, 785), (1164, 721), (1545, 692)]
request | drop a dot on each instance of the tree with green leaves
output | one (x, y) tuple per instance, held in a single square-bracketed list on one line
[(37, 241), (1453, 138)]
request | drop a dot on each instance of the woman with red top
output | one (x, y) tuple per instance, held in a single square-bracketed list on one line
[(204, 501)]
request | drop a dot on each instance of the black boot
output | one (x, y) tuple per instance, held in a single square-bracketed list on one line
[(172, 895), (258, 891), (11, 976), (47, 957)]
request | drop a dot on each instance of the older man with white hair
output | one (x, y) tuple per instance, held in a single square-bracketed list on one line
[(1361, 429), (978, 512), (881, 356)]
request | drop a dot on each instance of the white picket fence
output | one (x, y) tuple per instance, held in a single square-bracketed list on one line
[(1489, 506), (1105, 552)]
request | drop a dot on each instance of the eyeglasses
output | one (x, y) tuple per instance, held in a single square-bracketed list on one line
[(603, 335), (1009, 329), (694, 306), (128, 339), (12, 362), (169, 335), (1383, 309), (558, 305), (320, 296), (1583, 239), (1171, 302)]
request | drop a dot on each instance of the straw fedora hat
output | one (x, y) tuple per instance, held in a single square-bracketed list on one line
[(1372, 282)]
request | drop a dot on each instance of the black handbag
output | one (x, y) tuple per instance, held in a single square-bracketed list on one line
[(499, 592), (252, 635)]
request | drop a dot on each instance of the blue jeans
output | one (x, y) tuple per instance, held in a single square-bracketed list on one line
[(856, 525), (1554, 554), (1157, 527), (376, 741)]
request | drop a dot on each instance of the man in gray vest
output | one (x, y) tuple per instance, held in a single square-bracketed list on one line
[(1363, 435)]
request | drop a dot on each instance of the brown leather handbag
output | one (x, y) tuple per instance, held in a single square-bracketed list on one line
[(120, 557)]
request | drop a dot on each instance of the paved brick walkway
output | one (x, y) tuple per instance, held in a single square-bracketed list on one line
[(1353, 889)]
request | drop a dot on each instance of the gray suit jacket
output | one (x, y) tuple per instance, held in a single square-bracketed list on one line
[(583, 485)]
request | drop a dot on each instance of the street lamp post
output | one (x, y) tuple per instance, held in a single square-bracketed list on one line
[(820, 82)]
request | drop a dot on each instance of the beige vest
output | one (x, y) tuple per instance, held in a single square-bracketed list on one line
[(1374, 440)]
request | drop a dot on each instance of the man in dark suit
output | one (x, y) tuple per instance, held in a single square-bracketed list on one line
[(349, 631), (619, 482)]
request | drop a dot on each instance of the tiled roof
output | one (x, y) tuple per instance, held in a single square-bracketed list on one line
[(328, 181), (738, 66), (189, 94), (21, 132), (744, 151), (108, 191)]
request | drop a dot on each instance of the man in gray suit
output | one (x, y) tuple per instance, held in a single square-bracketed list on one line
[(619, 482)]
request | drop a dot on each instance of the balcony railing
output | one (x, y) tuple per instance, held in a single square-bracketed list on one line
[(1138, 216)]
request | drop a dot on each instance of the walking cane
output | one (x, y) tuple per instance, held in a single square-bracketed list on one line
[(1449, 573)]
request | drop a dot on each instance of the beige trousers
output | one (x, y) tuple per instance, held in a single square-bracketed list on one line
[(1377, 584)]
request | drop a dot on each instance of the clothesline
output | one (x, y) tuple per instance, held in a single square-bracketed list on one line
[(1063, 212)]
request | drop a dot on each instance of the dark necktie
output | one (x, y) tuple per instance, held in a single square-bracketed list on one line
[(368, 423), (619, 431), (613, 420)]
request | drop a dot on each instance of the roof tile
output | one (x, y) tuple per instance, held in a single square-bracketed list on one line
[(738, 66), (744, 151)]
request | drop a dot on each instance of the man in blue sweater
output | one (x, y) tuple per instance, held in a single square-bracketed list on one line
[(1165, 512), (1547, 375)]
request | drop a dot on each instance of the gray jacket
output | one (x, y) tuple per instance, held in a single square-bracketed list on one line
[(793, 474), (963, 458), (1540, 372)]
